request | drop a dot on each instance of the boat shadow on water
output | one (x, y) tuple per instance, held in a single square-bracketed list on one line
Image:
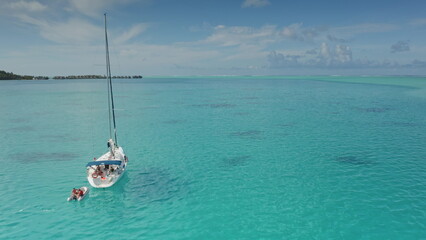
[(155, 185)]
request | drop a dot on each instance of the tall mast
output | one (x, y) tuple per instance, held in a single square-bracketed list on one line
[(111, 110)]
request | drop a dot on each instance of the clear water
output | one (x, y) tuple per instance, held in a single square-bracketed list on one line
[(216, 158)]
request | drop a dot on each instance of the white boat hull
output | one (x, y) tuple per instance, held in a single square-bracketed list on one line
[(110, 174)]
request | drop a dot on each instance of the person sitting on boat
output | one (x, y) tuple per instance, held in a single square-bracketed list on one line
[(75, 193), (98, 172), (107, 169), (80, 193)]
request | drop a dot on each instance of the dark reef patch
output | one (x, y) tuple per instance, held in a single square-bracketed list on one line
[(374, 109), (247, 134), (157, 185), (335, 102), (401, 124), (41, 156), (56, 138), (242, 113), (173, 121), (20, 120), (350, 159), (149, 107), (255, 103), (42, 113), (215, 105), (249, 98), (285, 125), (21, 129), (236, 161)]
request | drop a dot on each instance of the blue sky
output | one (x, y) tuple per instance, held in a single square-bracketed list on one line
[(234, 37)]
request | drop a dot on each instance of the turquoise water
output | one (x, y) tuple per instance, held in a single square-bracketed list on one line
[(216, 158)]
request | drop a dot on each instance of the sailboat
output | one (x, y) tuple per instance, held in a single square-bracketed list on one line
[(106, 170)]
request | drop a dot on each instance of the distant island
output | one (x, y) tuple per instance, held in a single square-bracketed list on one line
[(92, 77), (11, 76)]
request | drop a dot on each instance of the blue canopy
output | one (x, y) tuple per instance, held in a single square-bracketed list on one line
[(105, 162)]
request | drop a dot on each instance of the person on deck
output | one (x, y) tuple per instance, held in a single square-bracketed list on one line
[(99, 171), (80, 193), (74, 193)]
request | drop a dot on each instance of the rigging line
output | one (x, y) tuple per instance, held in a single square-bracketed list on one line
[(107, 78), (110, 94)]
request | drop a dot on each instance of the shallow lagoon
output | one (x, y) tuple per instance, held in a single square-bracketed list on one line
[(218, 158)]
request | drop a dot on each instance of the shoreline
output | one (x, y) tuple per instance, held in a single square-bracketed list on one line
[(402, 80)]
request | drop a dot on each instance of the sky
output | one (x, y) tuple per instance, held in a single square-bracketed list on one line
[(207, 37)]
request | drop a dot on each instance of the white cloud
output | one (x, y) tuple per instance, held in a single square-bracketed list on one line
[(73, 31), (255, 3), (326, 56), (332, 38), (134, 31), (76, 30), (297, 32), (311, 51), (343, 54), (170, 54), (126, 59), (237, 35), (245, 53), (416, 64), (53, 60), (291, 31), (340, 55), (337, 57), (95, 8), (227, 47), (352, 30), (31, 6), (92, 8), (418, 22), (228, 36), (325, 52), (400, 46), (280, 60)]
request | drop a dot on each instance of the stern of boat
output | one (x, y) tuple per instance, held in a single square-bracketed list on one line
[(107, 170)]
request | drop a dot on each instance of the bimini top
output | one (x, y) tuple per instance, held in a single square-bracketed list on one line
[(105, 162)]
